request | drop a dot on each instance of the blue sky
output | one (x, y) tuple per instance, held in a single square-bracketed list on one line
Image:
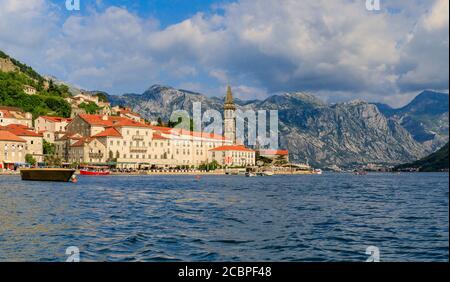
[(167, 12), (337, 50)]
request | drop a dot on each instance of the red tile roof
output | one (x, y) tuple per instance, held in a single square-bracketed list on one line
[(70, 136), (110, 121), (81, 142), (56, 119), (8, 136), (110, 131), (232, 148), (274, 152), (20, 130)]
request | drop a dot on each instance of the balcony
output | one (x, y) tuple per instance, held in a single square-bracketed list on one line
[(95, 155), (138, 137), (138, 149)]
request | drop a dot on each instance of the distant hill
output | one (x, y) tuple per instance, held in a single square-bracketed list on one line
[(438, 161), (425, 117), (49, 97)]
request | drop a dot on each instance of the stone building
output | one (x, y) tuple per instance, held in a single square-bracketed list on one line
[(30, 90), (51, 127), (12, 150), (34, 141)]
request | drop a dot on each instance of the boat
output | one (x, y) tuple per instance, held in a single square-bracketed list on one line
[(317, 171), (360, 172), (95, 171), (47, 174), (249, 174)]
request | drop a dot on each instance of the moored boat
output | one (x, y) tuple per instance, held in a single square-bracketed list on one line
[(95, 170), (47, 174), (92, 172)]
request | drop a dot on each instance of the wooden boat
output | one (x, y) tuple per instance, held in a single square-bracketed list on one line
[(47, 174)]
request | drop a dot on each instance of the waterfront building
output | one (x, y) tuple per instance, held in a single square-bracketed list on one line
[(131, 144), (12, 115), (51, 127), (12, 150), (34, 140), (232, 155)]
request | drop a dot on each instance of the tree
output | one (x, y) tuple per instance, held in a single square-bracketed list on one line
[(48, 148), (102, 97), (29, 159), (52, 160), (90, 108), (209, 166), (160, 122)]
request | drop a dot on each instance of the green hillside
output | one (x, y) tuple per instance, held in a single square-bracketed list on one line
[(49, 99), (438, 161)]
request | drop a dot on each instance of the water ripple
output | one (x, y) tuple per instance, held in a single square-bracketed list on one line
[(332, 217)]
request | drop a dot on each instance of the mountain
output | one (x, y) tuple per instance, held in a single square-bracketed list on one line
[(438, 161), (425, 117), (344, 134)]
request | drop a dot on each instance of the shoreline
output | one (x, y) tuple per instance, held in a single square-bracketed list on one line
[(194, 173)]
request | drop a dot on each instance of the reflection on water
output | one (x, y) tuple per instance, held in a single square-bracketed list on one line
[(332, 217)]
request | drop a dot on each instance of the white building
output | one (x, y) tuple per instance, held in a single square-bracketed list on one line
[(233, 155)]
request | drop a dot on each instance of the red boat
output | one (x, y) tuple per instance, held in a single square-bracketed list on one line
[(95, 171), (90, 172)]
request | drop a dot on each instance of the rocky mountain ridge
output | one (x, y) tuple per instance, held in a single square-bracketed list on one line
[(344, 134)]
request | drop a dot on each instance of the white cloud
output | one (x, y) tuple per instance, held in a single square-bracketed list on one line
[(438, 17), (326, 47)]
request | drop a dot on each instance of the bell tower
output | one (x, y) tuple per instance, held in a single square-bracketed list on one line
[(229, 116)]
